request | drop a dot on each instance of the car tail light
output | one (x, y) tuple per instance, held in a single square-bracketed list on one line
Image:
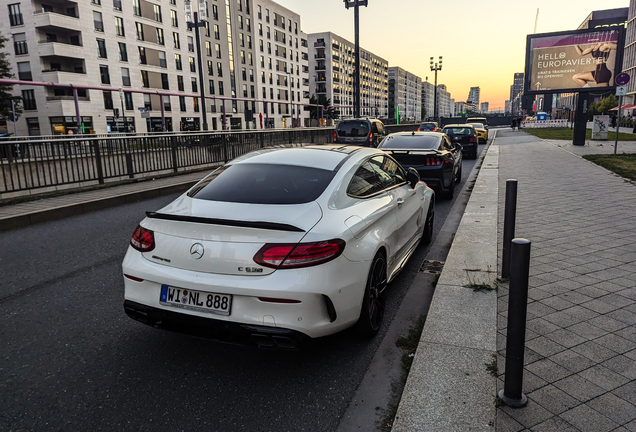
[(285, 255), (143, 239), (473, 139), (278, 300), (335, 137), (371, 139), (136, 279), (433, 161)]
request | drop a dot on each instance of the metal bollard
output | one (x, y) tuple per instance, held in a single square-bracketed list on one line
[(510, 216), (512, 394)]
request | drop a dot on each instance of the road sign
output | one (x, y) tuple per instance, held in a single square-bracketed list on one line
[(622, 79), (621, 90)]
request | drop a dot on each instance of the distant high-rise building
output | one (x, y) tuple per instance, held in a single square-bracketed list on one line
[(443, 101), (473, 96), (484, 107), (405, 92), (516, 91)]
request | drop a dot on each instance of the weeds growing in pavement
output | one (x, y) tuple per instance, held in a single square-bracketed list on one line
[(482, 286), (492, 366)]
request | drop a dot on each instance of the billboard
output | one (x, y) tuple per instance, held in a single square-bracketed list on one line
[(573, 61)]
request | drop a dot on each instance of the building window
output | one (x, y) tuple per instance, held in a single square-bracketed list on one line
[(147, 102), (160, 39), (125, 77), (217, 33), (195, 88), (180, 83), (182, 103), (33, 125), (157, 11), (260, 12), (140, 31), (166, 103), (142, 55), (108, 100), (123, 54), (28, 100), (217, 50), (164, 82), (207, 28), (96, 2), (260, 29), (177, 61), (101, 48), (117, 5), (195, 104), (176, 41), (208, 48), (193, 67), (128, 101), (210, 67), (145, 82), (24, 71), (136, 8), (97, 21), (104, 75), (173, 18), (190, 44), (15, 15), (219, 69), (119, 26), (212, 87), (221, 90), (215, 12)]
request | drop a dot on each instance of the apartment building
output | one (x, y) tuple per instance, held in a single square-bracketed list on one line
[(443, 101), (405, 95), (147, 45), (331, 71), (428, 100)]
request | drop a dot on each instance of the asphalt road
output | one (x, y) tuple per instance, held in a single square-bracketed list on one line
[(70, 359)]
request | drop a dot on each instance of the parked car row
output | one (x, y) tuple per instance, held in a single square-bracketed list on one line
[(283, 245)]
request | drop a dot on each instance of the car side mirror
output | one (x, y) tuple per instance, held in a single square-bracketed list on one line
[(412, 176)]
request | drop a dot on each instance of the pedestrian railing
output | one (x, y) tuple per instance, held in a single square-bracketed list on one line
[(35, 164)]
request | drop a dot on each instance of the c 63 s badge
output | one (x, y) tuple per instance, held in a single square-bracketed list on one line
[(250, 269)]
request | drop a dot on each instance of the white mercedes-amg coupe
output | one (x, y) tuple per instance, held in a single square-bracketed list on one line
[(278, 246)]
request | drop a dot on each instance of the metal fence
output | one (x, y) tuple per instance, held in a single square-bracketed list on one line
[(34, 164)]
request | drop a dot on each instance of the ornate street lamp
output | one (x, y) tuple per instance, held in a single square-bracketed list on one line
[(356, 79), (437, 67), (199, 21)]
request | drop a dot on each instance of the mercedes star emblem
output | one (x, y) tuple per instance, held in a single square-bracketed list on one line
[(196, 251)]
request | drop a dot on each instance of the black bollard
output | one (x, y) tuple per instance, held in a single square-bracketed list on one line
[(509, 226), (512, 394)]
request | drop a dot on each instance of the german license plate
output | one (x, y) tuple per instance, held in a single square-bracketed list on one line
[(215, 303)]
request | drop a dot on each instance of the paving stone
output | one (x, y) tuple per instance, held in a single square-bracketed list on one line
[(572, 361), (587, 419), (624, 316), (591, 291), (566, 338), (540, 294), (548, 370), (555, 424), (557, 302), (528, 416), (538, 309), (604, 377), (616, 343), (587, 330), (631, 355), (629, 293), (607, 323), (631, 426), (617, 300), (540, 326), (614, 407), (581, 313), (598, 305), (562, 319), (505, 423), (579, 388), (622, 365), (554, 400)]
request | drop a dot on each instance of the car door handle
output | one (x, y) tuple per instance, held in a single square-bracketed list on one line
[(400, 201)]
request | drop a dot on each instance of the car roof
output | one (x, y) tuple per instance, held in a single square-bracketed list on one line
[(459, 125), (416, 133), (327, 157)]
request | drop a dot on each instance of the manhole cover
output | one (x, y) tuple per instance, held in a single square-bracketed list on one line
[(430, 266)]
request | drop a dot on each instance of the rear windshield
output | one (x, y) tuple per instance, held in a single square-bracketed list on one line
[(263, 184), (458, 131), (476, 120), (428, 126), (424, 142), (477, 125), (353, 129)]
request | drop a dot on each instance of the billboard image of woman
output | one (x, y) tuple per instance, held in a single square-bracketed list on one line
[(602, 76)]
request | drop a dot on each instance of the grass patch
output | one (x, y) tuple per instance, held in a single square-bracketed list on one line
[(408, 345), (499, 402), (477, 287), (623, 164), (568, 134), (492, 366)]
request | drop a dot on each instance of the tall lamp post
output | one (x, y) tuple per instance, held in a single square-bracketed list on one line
[(356, 79), (198, 21), (435, 68)]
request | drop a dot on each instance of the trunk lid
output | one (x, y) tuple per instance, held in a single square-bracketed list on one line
[(221, 237)]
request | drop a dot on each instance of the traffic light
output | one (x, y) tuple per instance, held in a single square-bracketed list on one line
[(116, 112)]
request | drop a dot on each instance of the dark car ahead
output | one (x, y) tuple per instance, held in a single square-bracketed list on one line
[(360, 132), (436, 159), (465, 135), (428, 127)]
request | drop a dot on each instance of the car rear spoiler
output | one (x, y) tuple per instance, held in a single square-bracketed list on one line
[(412, 151), (212, 221)]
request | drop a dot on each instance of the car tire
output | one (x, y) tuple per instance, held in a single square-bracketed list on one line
[(458, 180), (450, 192), (474, 154), (427, 236), (373, 304)]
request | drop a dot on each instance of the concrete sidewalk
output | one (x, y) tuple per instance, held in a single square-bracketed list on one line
[(580, 362), (45, 209)]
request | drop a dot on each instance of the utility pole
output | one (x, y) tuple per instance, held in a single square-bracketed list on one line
[(356, 77), (195, 24), (437, 67)]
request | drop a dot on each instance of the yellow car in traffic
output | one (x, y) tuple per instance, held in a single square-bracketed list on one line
[(482, 133)]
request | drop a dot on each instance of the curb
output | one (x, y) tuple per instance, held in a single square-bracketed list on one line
[(60, 212), (449, 387)]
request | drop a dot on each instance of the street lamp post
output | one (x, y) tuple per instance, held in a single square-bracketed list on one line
[(198, 21), (435, 68), (356, 81)]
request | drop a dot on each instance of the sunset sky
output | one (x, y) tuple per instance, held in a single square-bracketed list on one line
[(482, 42)]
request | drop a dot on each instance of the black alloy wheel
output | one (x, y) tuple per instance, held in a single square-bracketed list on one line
[(450, 192), (427, 236), (373, 303)]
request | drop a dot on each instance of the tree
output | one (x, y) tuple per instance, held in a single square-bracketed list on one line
[(603, 106), (329, 111), (5, 90)]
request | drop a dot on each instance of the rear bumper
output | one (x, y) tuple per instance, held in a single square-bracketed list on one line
[(469, 148), (227, 332)]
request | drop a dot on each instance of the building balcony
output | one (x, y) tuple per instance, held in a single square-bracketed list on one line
[(56, 20), (321, 67), (65, 77), (48, 49), (319, 44), (67, 98)]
